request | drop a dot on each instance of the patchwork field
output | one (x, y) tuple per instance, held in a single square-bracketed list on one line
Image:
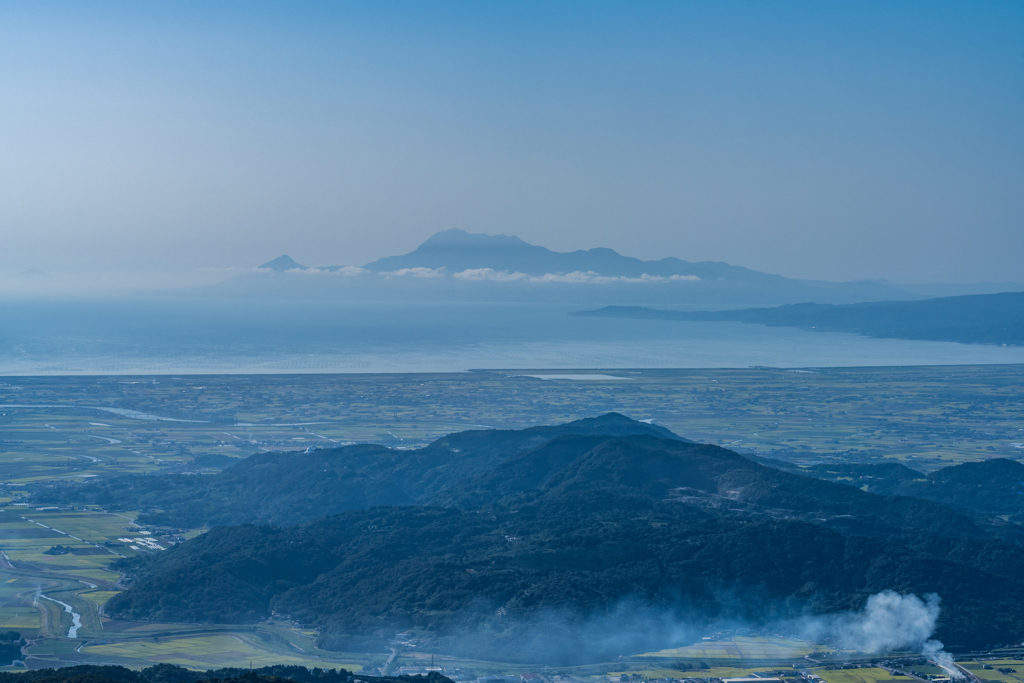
[(55, 570), (81, 542), (62, 429), (15, 613)]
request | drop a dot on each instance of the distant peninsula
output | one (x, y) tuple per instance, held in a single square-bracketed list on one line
[(972, 319)]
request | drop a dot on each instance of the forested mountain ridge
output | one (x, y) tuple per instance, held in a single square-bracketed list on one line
[(995, 487), (551, 538), (289, 488), (365, 575), (991, 487), (719, 480)]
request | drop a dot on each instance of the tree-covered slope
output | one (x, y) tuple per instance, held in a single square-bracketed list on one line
[(288, 488), (991, 487), (579, 527), (717, 479)]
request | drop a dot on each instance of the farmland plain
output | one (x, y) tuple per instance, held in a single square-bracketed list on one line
[(60, 431), (925, 417)]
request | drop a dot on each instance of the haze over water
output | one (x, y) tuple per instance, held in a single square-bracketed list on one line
[(179, 336)]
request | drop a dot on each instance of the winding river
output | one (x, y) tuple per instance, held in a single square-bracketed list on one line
[(76, 618)]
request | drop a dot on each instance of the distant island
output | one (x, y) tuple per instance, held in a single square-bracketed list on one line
[(972, 319), (455, 265)]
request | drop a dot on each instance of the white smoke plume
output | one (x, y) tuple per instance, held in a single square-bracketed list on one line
[(889, 622)]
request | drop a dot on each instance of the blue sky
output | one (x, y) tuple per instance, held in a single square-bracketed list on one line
[(822, 140)]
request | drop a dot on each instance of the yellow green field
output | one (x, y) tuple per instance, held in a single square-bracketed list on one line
[(206, 652), (858, 675), (15, 614), (739, 648), (26, 533), (994, 674), (99, 598), (713, 672), (33, 577)]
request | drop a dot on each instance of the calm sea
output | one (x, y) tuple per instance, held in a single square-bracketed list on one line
[(178, 336)]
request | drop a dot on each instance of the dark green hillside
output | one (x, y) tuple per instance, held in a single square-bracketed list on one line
[(991, 487), (972, 319), (717, 479), (586, 533), (288, 488), (880, 478)]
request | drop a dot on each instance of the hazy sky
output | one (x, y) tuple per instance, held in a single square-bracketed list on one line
[(826, 140)]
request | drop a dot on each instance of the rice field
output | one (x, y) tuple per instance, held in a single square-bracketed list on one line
[(994, 674), (98, 598), (202, 652), (741, 647), (64, 555), (90, 540), (871, 675), (712, 672), (16, 614), (60, 555)]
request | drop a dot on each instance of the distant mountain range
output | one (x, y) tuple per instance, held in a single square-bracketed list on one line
[(569, 543), (457, 251), (457, 265), (977, 319)]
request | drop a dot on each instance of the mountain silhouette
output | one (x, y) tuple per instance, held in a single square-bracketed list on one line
[(283, 263)]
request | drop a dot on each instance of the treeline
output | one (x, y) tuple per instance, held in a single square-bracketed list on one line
[(11, 643), (169, 673), (993, 487)]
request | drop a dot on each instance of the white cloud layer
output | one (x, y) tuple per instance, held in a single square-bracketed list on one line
[(490, 275), (578, 276), (416, 272), (487, 275), (348, 270)]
